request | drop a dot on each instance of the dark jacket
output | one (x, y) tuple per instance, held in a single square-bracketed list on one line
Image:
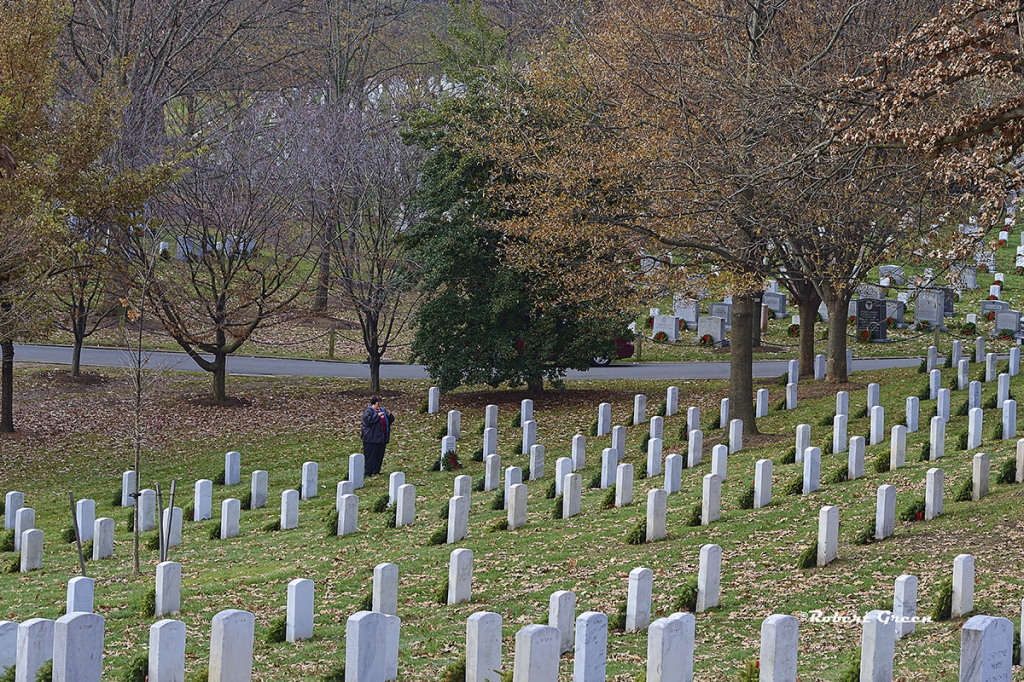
[(373, 429)]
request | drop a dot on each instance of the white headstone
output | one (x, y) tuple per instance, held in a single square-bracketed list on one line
[(128, 489), (885, 512), (203, 501), (855, 462), (777, 662), (572, 491), (348, 515), (762, 483), (562, 615), (671, 401), (711, 500), (356, 469), (299, 611), (579, 452), (986, 649), (624, 485), (937, 439), (460, 576), (619, 441), (812, 470), (290, 509), (638, 601), (491, 418), (483, 647), (230, 510), (492, 472), (898, 447), (433, 400), (904, 604), (709, 577), (455, 424), (103, 539), (537, 653), (309, 479), (167, 651), (828, 535), (517, 506), (563, 467), (591, 650), (963, 585), (80, 596), (78, 648), (24, 520), (31, 550), (232, 468), (877, 424), (657, 507), (365, 646), (258, 489), (673, 473), (405, 514), (670, 648), (877, 647), (839, 424), (980, 469), (85, 514), (536, 462), (168, 588), (147, 510), (15, 500), (458, 516), (604, 419), (231, 640), (695, 448), (385, 589)]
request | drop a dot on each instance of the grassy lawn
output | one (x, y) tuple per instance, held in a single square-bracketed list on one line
[(71, 440)]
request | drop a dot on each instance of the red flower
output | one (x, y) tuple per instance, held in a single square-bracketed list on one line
[(920, 515), (993, 297)]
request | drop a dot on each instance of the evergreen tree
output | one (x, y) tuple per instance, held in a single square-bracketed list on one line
[(483, 321)]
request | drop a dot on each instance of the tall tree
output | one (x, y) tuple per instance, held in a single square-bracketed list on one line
[(484, 321), (358, 180), (690, 126), (239, 252)]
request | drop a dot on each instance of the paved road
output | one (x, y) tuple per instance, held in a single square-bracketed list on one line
[(264, 366)]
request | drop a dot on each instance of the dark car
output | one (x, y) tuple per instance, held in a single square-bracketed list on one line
[(623, 349)]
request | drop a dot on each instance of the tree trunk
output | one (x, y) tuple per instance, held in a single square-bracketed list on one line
[(809, 302), (220, 371), (374, 372), (7, 387), (535, 386), (323, 281), (837, 325), (78, 326), (741, 365)]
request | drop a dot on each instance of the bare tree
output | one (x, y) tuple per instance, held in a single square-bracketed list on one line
[(360, 179), (239, 255)]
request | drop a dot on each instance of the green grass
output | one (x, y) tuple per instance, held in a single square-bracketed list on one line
[(514, 571)]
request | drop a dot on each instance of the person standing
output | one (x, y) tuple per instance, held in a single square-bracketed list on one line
[(376, 433)]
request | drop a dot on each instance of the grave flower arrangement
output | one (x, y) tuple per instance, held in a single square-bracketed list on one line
[(990, 315), (993, 297), (682, 325), (999, 282), (1002, 242), (956, 297), (1005, 334), (982, 268), (924, 326), (794, 330), (661, 337), (864, 335), (1019, 270), (890, 322), (450, 461), (649, 322), (969, 329), (853, 319), (706, 340)]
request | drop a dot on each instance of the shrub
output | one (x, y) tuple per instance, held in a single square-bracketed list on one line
[(746, 500), (45, 672), (443, 512), (275, 525), (693, 520), (794, 487), (882, 463), (549, 492), (67, 534), (87, 551), (116, 502), (7, 674), (637, 535), (662, 409), (608, 502), (943, 601), (455, 672), (965, 493), (14, 566), (715, 421), (516, 421), (391, 516), (964, 409), (380, 504), (147, 609), (866, 533), (214, 532), (557, 507), (479, 483), (335, 674), (278, 630), (751, 671), (850, 671), (330, 523), (644, 442), (189, 512), (498, 503), (220, 477), (838, 475), (629, 422), (247, 501), (131, 520), (366, 603), (424, 406), (478, 455), (441, 595), (925, 393), (862, 413), (686, 599), (441, 431), (526, 473), (997, 431), (595, 481), (789, 457), (7, 541), (516, 449), (498, 526), (808, 558), (618, 621), (438, 537), (913, 510), (153, 542), (1008, 471), (592, 431), (780, 405), (926, 452), (827, 420), (923, 367)]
